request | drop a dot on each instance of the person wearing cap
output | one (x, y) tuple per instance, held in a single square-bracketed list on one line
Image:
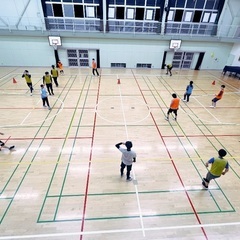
[(128, 157), (219, 166), (188, 92)]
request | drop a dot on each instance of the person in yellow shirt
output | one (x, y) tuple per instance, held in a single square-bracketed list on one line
[(173, 106), (54, 73), (169, 68), (28, 79), (219, 166), (47, 79)]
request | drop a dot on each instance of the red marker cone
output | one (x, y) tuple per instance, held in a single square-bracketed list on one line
[(213, 83), (118, 82), (14, 80)]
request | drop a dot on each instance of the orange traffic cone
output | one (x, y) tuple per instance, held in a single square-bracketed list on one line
[(118, 82), (213, 83), (14, 80)]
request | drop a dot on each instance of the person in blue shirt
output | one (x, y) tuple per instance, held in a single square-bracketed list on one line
[(44, 96), (188, 92)]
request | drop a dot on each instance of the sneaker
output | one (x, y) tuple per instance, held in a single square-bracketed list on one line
[(31, 94), (184, 100), (204, 183), (166, 119), (129, 179), (52, 93), (212, 106), (44, 105), (12, 147), (49, 108)]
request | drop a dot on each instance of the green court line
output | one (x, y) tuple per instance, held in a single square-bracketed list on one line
[(137, 216), (26, 171), (56, 166), (126, 193), (187, 139), (69, 128)]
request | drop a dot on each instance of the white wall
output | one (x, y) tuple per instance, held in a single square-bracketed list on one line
[(35, 51), (235, 52)]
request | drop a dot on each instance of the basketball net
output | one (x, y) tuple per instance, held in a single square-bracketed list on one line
[(54, 46)]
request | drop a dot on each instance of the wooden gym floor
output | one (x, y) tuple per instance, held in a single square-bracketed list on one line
[(62, 181)]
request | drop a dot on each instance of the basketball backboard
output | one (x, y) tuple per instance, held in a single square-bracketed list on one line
[(54, 41), (175, 44)]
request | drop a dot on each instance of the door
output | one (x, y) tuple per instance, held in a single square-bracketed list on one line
[(182, 59), (77, 58)]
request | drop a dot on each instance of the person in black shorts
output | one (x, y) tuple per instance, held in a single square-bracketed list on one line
[(2, 144)]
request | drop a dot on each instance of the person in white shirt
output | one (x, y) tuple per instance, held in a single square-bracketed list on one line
[(128, 157)]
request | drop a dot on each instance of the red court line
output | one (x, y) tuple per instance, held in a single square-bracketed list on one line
[(89, 167), (176, 170)]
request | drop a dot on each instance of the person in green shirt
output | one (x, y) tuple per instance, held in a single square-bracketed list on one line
[(28, 79), (54, 73), (47, 79), (219, 166)]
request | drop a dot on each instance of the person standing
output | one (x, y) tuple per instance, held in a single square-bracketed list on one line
[(60, 66), (219, 166), (128, 157), (169, 69), (47, 79), (218, 97), (2, 144), (94, 67), (188, 92), (173, 106), (54, 73), (28, 79), (44, 96)]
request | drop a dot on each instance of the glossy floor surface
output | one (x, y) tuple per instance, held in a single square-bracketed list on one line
[(62, 180)]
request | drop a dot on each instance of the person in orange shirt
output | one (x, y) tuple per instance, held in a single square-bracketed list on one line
[(94, 67), (218, 96), (60, 66), (173, 106)]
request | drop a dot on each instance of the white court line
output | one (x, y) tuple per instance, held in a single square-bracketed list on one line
[(50, 235), (134, 177), (33, 123), (208, 111)]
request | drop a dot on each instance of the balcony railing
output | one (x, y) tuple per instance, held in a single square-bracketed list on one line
[(120, 26)]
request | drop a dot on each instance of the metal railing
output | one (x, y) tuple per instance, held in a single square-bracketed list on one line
[(121, 26)]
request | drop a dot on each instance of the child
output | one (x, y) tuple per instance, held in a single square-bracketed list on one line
[(54, 73), (173, 106), (188, 91), (60, 66), (94, 67), (218, 165), (169, 69), (28, 79), (44, 96), (218, 97), (128, 157), (2, 144)]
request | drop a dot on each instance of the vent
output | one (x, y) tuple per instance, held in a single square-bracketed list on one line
[(144, 65), (118, 65)]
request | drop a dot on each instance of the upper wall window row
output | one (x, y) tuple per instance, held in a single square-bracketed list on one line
[(131, 13), (77, 11), (72, 1), (150, 3), (201, 4)]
